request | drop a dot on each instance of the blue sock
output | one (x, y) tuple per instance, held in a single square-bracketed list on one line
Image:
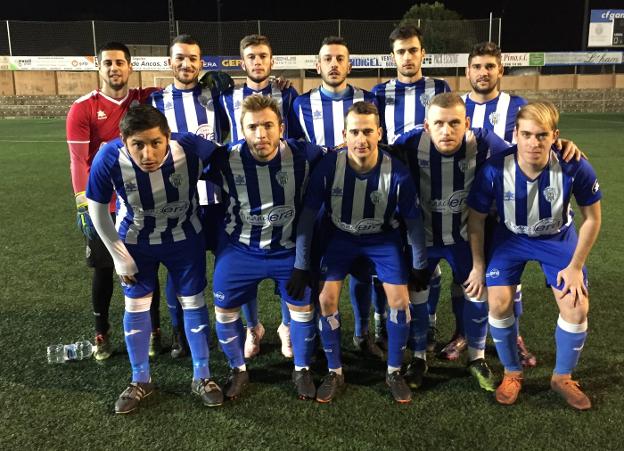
[(285, 313), (137, 331), (173, 304), (570, 339), (379, 298), (250, 311), (517, 307), (330, 337), (505, 338), (302, 335), (398, 332), (475, 323), (434, 294), (360, 293), (418, 327), (197, 328), (458, 301), (231, 335)]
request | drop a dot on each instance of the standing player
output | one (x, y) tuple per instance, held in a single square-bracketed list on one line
[(403, 103), (363, 190), (156, 184), (189, 107), (492, 109), (257, 62), (93, 120), (532, 189), (264, 179), (321, 114)]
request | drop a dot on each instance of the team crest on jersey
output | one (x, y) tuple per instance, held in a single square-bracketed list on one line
[(595, 187), (175, 180), (101, 115), (316, 114), (282, 178), (375, 197), (509, 196), (462, 165), (494, 118), (550, 193), (425, 99), (205, 131), (239, 179), (130, 186), (336, 191)]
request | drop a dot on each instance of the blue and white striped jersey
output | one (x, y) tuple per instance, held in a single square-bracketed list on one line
[(444, 182), (497, 115), (194, 111), (264, 199), (232, 103), (539, 207), (362, 204), (152, 207), (403, 106), (322, 117)]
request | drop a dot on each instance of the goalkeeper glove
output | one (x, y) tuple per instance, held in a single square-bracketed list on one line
[(83, 220), (216, 80)]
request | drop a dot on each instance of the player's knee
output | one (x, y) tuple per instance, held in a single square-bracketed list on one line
[(192, 302), (574, 312), (399, 315), (227, 316), (137, 305), (500, 301)]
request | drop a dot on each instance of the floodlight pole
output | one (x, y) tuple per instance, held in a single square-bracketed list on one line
[(172, 28)]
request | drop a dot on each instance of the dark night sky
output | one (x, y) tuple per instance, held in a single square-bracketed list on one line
[(529, 25)]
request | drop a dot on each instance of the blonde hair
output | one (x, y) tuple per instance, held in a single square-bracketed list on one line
[(257, 102), (541, 112)]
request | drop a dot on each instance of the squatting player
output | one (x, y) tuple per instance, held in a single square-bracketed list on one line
[(532, 188), (155, 179), (93, 120), (363, 190), (263, 178)]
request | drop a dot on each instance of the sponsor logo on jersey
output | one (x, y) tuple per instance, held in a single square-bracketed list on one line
[(595, 187), (101, 115), (494, 118), (175, 180), (493, 273), (361, 227), (170, 210), (205, 131), (218, 295), (282, 178), (277, 216), (546, 226), (456, 203), (550, 193), (375, 197)]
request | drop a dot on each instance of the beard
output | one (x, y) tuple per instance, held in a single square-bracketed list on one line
[(483, 91), (256, 78)]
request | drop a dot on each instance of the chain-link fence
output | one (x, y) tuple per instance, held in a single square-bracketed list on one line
[(21, 38)]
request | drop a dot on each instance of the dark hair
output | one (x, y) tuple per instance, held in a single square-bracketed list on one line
[(447, 100), (334, 40), (405, 32), (254, 39), (113, 46), (184, 39), (485, 49), (362, 107), (141, 117)]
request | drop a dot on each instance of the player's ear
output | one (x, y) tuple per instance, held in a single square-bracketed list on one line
[(318, 66), (467, 122), (349, 67), (242, 64), (556, 134), (426, 126)]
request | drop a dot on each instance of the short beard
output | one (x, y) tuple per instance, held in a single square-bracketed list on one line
[(257, 79), (483, 91)]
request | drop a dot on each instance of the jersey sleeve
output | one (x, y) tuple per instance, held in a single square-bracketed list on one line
[(320, 180), (495, 143), (78, 132), (146, 93), (585, 187), (407, 202), (100, 186), (481, 193)]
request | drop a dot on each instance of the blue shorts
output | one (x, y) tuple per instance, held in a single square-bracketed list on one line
[(458, 256), (511, 252), (185, 261), (238, 272), (384, 250)]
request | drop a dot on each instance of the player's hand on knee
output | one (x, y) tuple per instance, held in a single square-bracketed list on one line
[(573, 284), (474, 285), (419, 279), (83, 219), (299, 280)]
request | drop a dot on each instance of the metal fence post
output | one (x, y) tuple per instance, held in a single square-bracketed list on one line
[(500, 27), (490, 30), (339, 28), (259, 29), (9, 38), (94, 40)]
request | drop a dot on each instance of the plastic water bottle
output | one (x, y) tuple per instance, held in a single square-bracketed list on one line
[(74, 351)]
